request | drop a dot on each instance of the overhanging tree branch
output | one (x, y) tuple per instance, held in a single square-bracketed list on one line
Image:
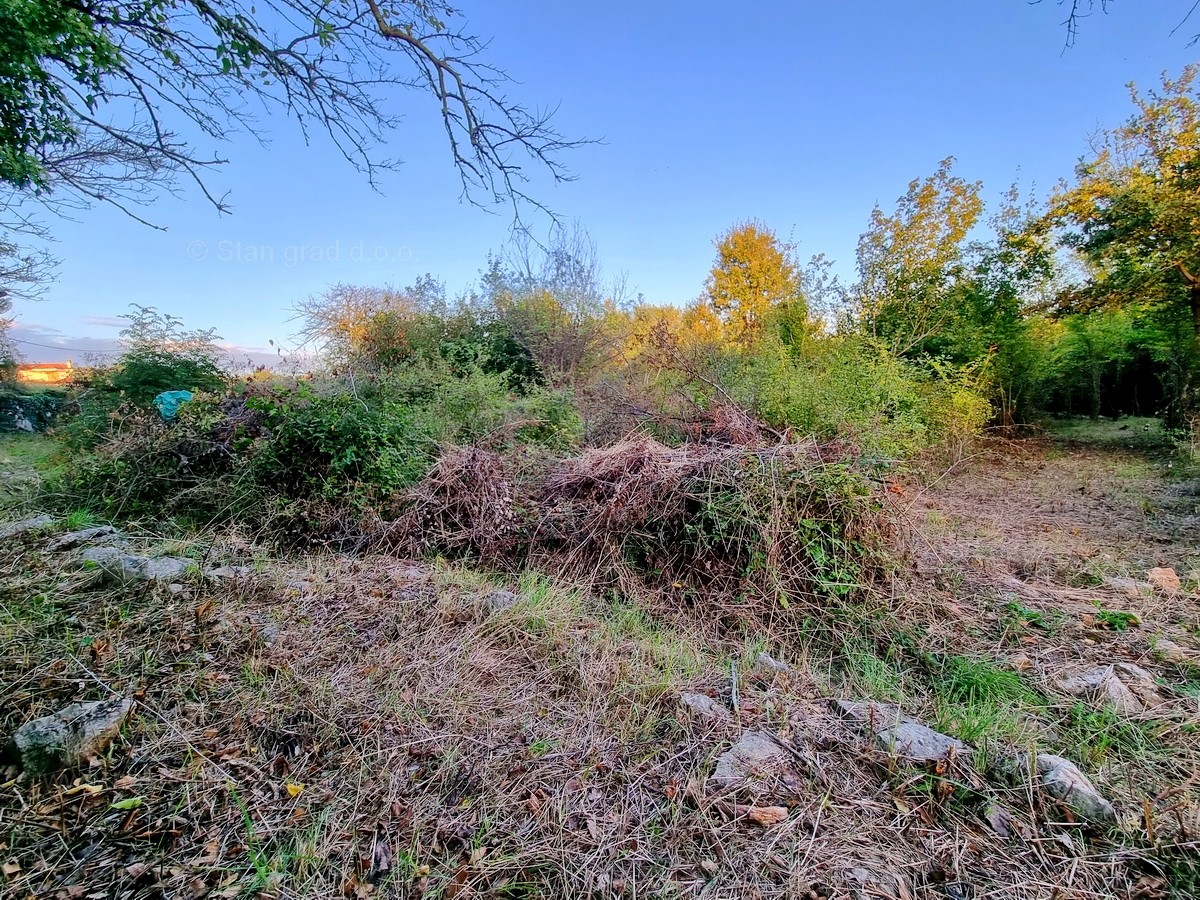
[(108, 100)]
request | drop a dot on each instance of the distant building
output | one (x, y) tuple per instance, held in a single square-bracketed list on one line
[(45, 373)]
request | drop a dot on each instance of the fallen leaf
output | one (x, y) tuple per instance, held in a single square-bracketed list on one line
[(294, 789), (766, 816), (10, 868), (128, 803), (125, 782), (457, 886), (81, 788)]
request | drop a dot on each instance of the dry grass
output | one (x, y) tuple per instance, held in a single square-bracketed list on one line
[(365, 727)]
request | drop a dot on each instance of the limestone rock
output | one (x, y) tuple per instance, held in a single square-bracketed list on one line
[(33, 523), (1062, 779), (71, 735), (1164, 580), (1170, 652), (498, 601), (900, 735), (228, 573), (127, 567), (1129, 586), (756, 755), (1127, 688), (701, 706), (869, 884), (97, 534), (767, 666)]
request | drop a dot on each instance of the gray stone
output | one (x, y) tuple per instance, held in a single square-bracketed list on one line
[(228, 573), (1130, 586), (33, 523), (498, 601), (900, 735), (1170, 652), (72, 735), (1062, 779), (1127, 688), (126, 567), (97, 534), (165, 568), (756, 755), (868, 884), (704, 707)]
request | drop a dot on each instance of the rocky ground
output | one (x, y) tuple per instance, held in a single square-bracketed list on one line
[(1013, 713)]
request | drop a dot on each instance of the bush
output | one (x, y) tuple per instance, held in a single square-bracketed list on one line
[(145, 372), (161, 356), (334, 445), (846, 388), (296, 456)]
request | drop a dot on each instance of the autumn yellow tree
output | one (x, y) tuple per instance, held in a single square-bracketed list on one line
[(1134, 211), (753, 274)]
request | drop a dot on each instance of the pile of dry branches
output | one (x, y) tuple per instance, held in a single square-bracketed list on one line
[(779, 521)]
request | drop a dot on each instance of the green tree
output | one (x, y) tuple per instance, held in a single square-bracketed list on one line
[(161, 355), (1092, 350), (993, 308), (1133, 214), (910, 262), (753, 275)]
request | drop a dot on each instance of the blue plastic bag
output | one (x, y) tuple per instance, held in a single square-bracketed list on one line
[(168, 403)]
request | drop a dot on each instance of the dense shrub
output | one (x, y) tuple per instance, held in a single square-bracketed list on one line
[(263, 451), (161, 355), (145, 372), (334, 445), (846, 387)]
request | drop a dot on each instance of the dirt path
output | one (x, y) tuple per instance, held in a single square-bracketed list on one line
[(1063, 513)]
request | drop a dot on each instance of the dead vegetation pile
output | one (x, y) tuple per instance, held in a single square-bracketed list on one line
[(746, 524)]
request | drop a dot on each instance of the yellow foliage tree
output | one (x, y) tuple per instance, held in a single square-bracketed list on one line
[(752, 274)]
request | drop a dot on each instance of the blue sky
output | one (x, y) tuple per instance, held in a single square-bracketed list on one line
[(801, 114)]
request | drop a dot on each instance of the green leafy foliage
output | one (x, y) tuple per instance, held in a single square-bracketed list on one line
[(37, 111), (335, 445), (161, 355)]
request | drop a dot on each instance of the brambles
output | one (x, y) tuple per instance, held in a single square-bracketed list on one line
[(749, 528)]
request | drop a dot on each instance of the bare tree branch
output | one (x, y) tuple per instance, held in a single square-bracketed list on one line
[(164, 77)]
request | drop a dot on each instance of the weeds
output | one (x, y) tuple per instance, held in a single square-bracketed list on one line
[(1116, 620), (975, 699)]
